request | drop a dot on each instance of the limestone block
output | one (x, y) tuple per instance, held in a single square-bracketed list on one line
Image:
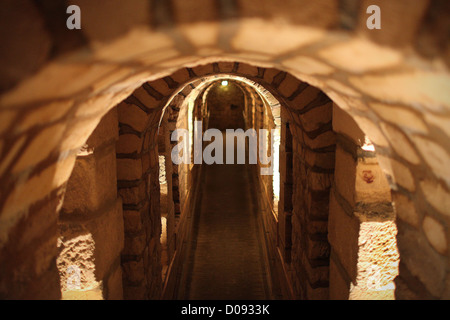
[(108, 233), (343, 235), (439, 122), (326, 139), (423, 263), (78, 132), (436, 195), (32, 190), (281, 37), (182, 75), (134, 244), (304, 98), (50, 112), (377, 261), (132, 116), (316, 293), (405, 209), (133, 221), (93, 183), (225, 66), (345, 175), (133, 195), (203, 70), (341, 88), (162, 88), (307, 65), (93, 244), (43, 218), (343, 123), (40, 147), (317, 276), (372, 131), (247, 70), (7, 117), (106, 130), (145, 98), (113, 284), (129, 143), (400, 143), (339, 286), (9, 155), (135, 292), (133, 271), (317, 250), (316, 117), (77, 251), (421, 89), (319, 181), (360, 56), (402, 117), (436, 156), (129, 169), (436, 234)]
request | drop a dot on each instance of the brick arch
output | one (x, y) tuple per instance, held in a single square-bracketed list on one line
[(279, 84), (286, 87), (253, 79), (72, 95)]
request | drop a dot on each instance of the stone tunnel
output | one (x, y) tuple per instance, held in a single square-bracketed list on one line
[(116, 176)]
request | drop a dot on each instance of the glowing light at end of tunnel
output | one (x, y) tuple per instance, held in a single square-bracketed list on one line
[(224, 83)]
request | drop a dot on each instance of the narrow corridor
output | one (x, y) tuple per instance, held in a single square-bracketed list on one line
[(227, 259)]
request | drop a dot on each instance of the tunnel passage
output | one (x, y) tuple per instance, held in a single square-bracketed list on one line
[(227, 259), (296, 196), (394, 83), (328, 216), (226, 101), (304, 209)]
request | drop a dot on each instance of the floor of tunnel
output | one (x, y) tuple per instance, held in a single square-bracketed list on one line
[(227, 260)]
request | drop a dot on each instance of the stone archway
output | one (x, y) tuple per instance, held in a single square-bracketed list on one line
[(397, 96)]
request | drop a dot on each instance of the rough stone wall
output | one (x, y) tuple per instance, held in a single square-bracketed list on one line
[(313, 169), (297, 228), (138, 185), (364, 257), (286, 188), (91, 232)]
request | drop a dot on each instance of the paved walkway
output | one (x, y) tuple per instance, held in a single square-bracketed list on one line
[(227, 258)]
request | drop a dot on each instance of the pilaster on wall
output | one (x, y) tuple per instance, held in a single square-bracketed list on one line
[(138, 185), (313, 169), (90, 222), (364, 258), (171, 127), (285, 202), (167, 204)]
